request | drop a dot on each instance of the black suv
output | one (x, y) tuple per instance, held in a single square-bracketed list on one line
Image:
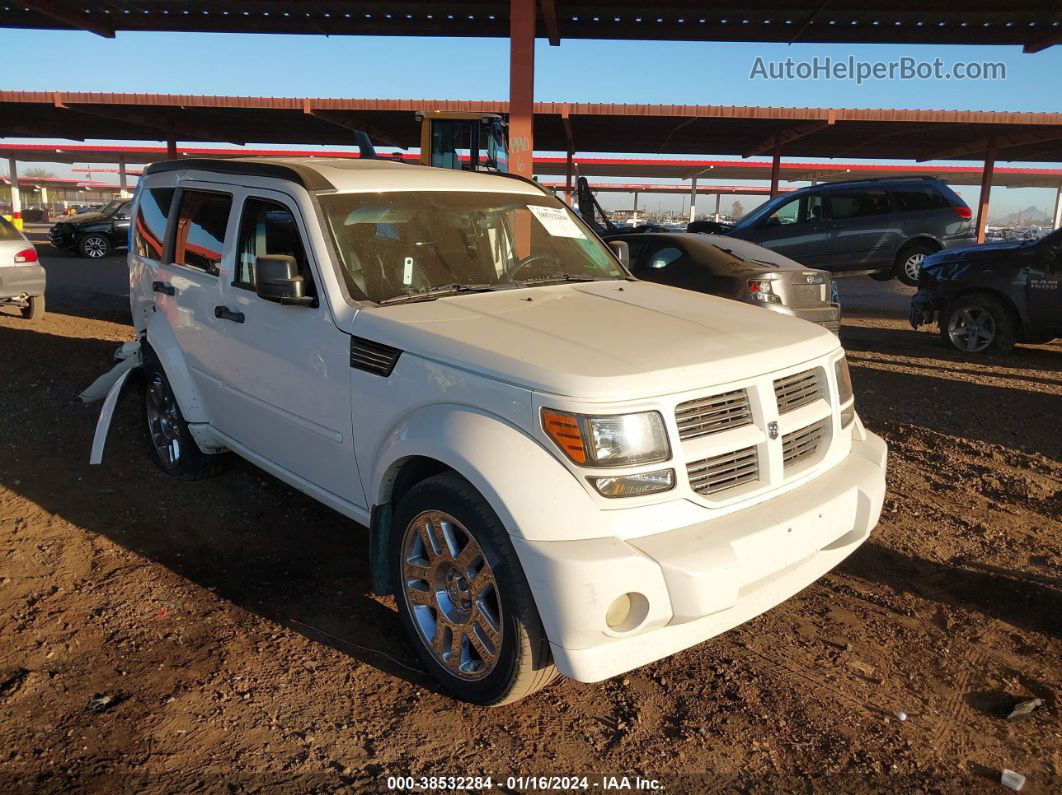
[(885, 226), (988, 297), (94, 234)]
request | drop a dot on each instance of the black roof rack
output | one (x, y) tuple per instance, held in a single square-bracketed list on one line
[(308, 177)]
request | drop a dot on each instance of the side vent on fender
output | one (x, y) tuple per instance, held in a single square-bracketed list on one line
[(373, 357)]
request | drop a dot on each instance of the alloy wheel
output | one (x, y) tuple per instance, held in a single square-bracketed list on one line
[(452, 595), (164, 424), (972, 328), (95, 247)]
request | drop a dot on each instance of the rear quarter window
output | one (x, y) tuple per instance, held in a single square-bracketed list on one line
[(149, 229), (919, 197)]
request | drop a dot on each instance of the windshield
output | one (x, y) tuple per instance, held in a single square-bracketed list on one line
[(417, 245), (111, 207)]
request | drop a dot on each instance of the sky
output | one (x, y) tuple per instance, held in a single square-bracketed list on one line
[(578, 70)]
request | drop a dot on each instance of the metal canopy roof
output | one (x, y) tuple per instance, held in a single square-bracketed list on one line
[(1033, 23), (707, 170), (663, 129)]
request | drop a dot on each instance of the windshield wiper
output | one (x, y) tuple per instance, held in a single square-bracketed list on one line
[(556, 277), (439, 291)]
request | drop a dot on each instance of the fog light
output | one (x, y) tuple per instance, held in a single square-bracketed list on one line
[(847, 415), (627, 612), (618, 611), (635, 485)]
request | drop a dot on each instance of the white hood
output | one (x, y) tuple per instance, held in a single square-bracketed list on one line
[(603, 340)]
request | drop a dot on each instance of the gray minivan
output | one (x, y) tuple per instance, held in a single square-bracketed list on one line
[(886, 226)]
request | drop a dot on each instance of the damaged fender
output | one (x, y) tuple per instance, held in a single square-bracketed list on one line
[(108, 387)]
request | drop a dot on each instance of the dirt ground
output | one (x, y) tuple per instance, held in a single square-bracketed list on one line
[(168, 636)]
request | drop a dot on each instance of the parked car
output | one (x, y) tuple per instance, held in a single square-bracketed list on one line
[(886, 226), (986, 298), (94, 234), (22, 278), (561, 468), (736, 269)]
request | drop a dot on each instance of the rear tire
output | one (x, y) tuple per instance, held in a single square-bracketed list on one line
[(978, 324), (35, 310), (909, 262), (95, 246), (463, 597), (172, 447)]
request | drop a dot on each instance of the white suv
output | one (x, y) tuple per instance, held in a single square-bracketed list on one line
[(562, 468)]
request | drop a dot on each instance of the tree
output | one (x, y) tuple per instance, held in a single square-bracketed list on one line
[(737, 209), (38, 173)]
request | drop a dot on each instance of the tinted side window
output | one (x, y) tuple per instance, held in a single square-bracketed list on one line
[(859, 203), (200, 234), (918, 197), (800, 210), (149, 230), (267, 228)]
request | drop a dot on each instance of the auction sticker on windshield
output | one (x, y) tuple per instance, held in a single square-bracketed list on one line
[(556, 221)]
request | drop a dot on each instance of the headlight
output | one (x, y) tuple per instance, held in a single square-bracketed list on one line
[(845, 393), (611, 441)]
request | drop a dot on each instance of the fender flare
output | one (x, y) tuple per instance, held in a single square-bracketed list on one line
[(161, 340)]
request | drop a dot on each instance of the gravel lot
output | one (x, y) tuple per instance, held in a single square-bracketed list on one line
[(225, 630)]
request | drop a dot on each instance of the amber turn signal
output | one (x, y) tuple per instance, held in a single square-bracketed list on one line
[(563, 429)]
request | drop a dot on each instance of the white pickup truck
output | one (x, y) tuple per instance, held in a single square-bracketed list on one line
[(561, 468)]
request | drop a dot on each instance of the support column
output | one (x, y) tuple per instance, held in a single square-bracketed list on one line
[(568, 178), (718, 196), (634, 217), (171, 142), (1058, 207), (44, 203), (16, 200), (521, 86), (123, 183), (776, 167), (986, 190), (693, 200)]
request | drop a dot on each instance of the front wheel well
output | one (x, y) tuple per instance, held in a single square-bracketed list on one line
[(996, 294), (402, 476)]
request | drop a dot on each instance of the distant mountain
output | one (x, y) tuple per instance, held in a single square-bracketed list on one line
[(1030, 216)]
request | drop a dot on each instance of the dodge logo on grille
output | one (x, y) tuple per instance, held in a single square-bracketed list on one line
[(772, 429)]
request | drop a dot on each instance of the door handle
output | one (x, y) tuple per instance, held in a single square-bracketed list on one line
[(224, 313), (162, 287)]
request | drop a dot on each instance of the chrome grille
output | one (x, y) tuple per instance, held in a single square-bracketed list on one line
[(803, 444), (709, 415), (722, 472), (797, 390)]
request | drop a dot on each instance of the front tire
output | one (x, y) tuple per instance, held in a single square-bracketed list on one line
[(978, 324), (463, 597), (95, 246), (909, 262), (171, 444), (35, 310)]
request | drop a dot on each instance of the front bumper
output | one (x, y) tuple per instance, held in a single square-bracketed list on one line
[(21, 280), (699, 581), (925, 306), (62, 236)]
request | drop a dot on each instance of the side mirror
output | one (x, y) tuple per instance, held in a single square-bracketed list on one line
[(622, 251), (276, 278)]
